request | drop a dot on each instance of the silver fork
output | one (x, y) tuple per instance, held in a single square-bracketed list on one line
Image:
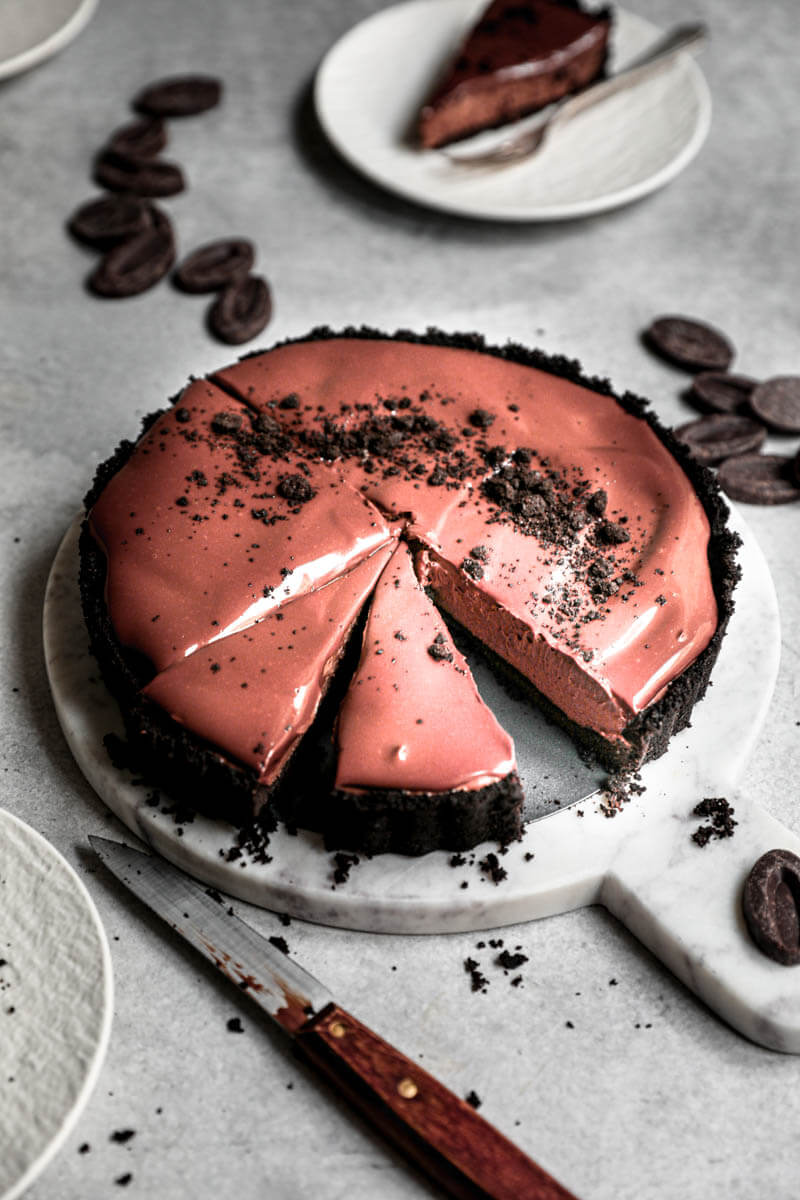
[(524, 143)]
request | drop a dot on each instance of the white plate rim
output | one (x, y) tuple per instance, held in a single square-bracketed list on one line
[(60, 37), (429, 196), (51, 1147)]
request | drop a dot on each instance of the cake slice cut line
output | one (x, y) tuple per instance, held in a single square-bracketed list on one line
[(544, 516)]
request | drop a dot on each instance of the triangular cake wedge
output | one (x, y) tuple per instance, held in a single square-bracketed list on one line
[(213, 521), (246, 701), (520, 56), (422, 761)]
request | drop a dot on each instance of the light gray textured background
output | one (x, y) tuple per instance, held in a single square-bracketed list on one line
[(615, 1109)]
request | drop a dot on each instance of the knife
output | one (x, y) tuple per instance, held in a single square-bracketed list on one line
[(439, 1132)]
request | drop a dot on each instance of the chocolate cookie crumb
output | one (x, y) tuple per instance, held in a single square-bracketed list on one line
[(509, 961), (490, 866), (279, 943), (295, 488), (343, 864), (234, 1025), (473, 1099), (722, 822), (477, 978), (122, 1136), (438, 649)]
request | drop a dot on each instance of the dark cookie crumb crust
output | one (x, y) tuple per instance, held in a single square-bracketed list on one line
[(398, 821)]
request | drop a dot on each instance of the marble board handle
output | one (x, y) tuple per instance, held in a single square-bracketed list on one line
[(442, 1134), (684, 902)]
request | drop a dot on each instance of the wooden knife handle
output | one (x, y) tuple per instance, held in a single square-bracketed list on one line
[(443, 1135)]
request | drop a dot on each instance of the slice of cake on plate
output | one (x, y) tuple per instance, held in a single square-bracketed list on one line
[(519, 57)]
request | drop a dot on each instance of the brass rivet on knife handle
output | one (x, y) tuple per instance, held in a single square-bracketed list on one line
[(441, 1133)]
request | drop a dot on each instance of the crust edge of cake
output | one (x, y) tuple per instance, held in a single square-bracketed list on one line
[(648, 733)]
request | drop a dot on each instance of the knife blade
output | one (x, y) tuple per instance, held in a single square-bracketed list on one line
[(437, 1130)]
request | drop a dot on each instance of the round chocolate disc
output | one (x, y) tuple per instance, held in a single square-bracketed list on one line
[(139, 139), (241, 310), (759, 479), (142, 176), (689, 343), (214, 265), (777, 402), (110, 219), (136, 264), (719, 436), (181, 96), (718, 391), (771, 905)]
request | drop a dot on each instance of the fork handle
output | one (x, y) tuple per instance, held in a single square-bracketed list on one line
[(683, 37), (441, 1133)]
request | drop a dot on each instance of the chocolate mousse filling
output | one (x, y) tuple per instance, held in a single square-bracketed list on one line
[(231, 558)]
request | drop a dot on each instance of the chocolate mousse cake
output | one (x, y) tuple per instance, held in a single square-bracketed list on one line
[(520, 56), (271, 565)]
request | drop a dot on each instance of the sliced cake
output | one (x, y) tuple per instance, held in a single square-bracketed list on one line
[(246, 701), (420, 758), (558, 523), (520, 56)]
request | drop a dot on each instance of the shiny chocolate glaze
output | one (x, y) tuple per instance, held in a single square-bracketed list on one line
[(398, 726), (521, 55), (546, 516), (255, 693)]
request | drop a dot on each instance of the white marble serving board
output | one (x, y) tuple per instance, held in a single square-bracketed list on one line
[(55, 1002), (681, 900)]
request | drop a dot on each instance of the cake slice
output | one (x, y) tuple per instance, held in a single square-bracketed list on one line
[(521, 56), (221, 725), (422, 762), (213, 521)]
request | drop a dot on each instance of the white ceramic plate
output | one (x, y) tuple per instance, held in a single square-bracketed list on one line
[(55, 1002), (372, 82), (32, 30)]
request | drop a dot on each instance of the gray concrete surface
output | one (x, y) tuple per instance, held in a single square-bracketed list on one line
[(647, 1095)]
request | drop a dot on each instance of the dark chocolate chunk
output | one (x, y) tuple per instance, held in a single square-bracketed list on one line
[(226, 422), (295, 488), (719, 436), (241, 311), (690, 344), (214, 265), (139, 139), (760, 479), (181, 96), (719, 391), (771, 904), (597, 502), (612, 533), (137, 264), (777, 403), (110, 219), (142, 176)]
